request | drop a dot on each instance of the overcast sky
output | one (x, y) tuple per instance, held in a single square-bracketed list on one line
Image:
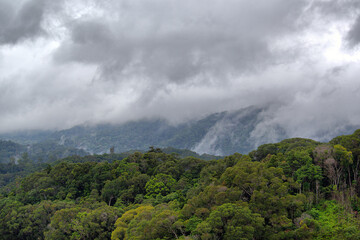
[(64, 63)]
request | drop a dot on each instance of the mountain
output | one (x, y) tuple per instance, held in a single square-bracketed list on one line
[(218, 134), (10, 149)]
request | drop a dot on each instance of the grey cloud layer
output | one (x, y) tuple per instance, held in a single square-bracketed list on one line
[(168, 41), (18, 23), (113, 61), (353, 36)]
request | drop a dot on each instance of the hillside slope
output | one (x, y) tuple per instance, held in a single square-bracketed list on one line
[(218, 134)]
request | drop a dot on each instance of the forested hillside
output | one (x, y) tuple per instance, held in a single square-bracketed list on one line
[(295, 189), (218, 134), (46, 151), (10, 149), (17, 160)]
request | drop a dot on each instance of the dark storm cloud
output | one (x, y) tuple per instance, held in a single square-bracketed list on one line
[(91, 42), (181, 42), (20, 23), (353, 36), (336, 8)]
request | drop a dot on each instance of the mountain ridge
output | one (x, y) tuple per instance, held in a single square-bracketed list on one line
[(221, 133), (227, 132)]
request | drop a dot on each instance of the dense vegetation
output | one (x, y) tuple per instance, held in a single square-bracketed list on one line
[(46, 151), (18, 160), (295, 189)]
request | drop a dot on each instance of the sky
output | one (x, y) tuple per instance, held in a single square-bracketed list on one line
[(65, 63)]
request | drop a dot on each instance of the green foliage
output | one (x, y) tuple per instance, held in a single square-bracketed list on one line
[(82, 223), (10, 149), (295, 189), (132, 218), (232, 222), (308, 174), (343, 156), (18, 160), (161, 184), (330, 221), (285, 146)]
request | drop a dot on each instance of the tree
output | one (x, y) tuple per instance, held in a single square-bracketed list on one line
[(344, 159), (161, 184), (309, 174), (144, 213), (112, 189), (82, 223), (231, 222)]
